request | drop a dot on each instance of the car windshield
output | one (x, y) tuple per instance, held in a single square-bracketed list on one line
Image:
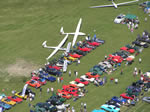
[(119, 17), (8, 100), (42, 80), (14, 97), (32, 82), (73, 90), (82, 80)]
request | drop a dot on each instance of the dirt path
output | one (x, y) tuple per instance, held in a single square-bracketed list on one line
[(21, 68)]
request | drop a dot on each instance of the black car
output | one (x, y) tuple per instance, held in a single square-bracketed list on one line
[(79, 52), (141, 44), (55, 100), (112, 102)]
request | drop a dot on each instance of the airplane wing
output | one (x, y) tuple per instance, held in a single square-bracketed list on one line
[(127, 2), (52, 54), (101, 6)]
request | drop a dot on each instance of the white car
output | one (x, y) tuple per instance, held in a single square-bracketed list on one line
[(85, 77), (119, 18), (77, 83), (62, 108)]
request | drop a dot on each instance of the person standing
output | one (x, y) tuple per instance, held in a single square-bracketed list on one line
[(70, 73), (48, 90), (140, 60), (145, 19), (40, 90), (58, 79), (85, 107), (78, 61), (76, 74), (61, 79), (52, 89), (116, 81), (105, 57)]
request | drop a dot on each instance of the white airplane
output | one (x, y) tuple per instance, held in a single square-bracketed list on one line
[(76, 33), (58, 47), (114, 4)]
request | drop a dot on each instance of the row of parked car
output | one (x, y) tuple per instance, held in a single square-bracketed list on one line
[(56, 101), (128, 98), (7, 102), (134, 90), (40, 77)]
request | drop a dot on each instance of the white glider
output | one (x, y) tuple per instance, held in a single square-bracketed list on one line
[(114, 4), (76, 33), (58, 47)]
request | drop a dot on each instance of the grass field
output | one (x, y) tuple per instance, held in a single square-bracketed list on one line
[(25, 24)]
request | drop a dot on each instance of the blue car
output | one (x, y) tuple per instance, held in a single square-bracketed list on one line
[(53, 71), (98, 110), (117, 99), (110, 108), (4, 105), (49, 78)]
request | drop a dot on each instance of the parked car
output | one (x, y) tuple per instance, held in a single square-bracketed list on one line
[(85, 77), (8, 101), (146, 99), (124, 95), (2, 96), (33, 83), (5, 106), (91, 75), (19, 94), (15, 99), (110, 108), (119, 18), (80, 80), (77, 83), (75, 55), (112, 102), (100, 110), (41, 81), (64, 94), (56, 100), (48, 78)]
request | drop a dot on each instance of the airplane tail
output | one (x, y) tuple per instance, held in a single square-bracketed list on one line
[(62, 30), (68, 47), (44, 44), (65, 66), (24, 90)]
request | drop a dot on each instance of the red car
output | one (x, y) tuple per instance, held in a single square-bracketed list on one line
[(15, 99), (75, 55), (90, 75), (54, 66), (93, 43), (82, 81), (33, 83), (42, 81), (70, 86), (127, 49), (64, 94), (70, 91), (124, 95), (145, 78), (117, 59), (84, 49)]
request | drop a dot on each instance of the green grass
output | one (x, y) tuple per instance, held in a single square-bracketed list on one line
[(24, 25)]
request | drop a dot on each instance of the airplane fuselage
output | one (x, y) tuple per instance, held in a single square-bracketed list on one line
[(115, 5)]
